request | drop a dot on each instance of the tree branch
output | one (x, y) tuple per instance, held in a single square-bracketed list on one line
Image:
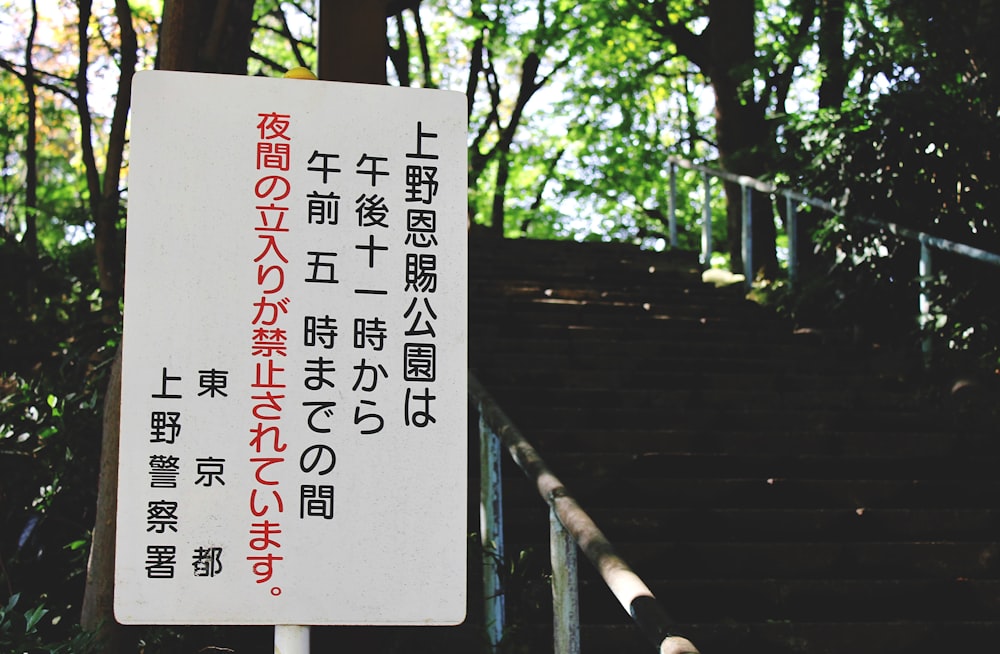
[(400, 56), (268, 61), (286, 31), (475, 70), (13, 69), (93, 177), (31, 149), (106, 220), (480, 159), (780, 78), (689, 45), (425, 55)]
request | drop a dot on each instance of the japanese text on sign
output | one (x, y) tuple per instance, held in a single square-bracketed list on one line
[(295, 392)]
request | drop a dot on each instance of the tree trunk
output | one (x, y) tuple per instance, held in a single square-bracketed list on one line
[(988, 50), (400, 55), (31, 154), (725, 53), (529, 85), (189, 46), (831, 54), (97, 612), (352, 43), (98, 598), (107, 243), (206, 36), (742, 133)]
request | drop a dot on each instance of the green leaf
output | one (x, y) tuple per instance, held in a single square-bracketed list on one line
[(11, 603), (33, 617)]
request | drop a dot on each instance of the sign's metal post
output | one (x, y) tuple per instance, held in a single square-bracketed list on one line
[(291, 639)]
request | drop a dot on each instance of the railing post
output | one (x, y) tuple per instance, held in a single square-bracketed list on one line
[(792, 216), (925, 272), (581, 531), (672, 205), (565, 588), (491, 531), (747, 237), (706, 222)]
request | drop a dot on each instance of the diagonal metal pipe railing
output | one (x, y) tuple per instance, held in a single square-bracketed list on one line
[(571, 527)]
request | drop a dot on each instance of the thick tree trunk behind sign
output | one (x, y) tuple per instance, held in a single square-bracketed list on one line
[(352, 44), (206, 36)]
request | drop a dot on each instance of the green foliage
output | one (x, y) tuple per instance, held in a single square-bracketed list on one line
[(922, 155), (285, 37), (59, 196), (53, 351), (20, 632)]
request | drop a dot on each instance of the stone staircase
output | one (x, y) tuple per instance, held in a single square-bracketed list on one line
[(779, 492)]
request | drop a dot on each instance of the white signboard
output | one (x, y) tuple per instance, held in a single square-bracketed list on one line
[(293, 431)]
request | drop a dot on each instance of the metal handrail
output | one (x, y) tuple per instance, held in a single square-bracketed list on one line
[(773, 189), (792, 201), (570, 527), (755, 184)]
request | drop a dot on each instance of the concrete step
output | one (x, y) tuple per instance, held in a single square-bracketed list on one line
[(740, 418), (743, 492), (699, 398), (776, 442), (784, 637), (623, 465), (666, 528), (795, 600)]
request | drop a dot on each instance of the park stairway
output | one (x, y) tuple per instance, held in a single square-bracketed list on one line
[(780, 492)]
